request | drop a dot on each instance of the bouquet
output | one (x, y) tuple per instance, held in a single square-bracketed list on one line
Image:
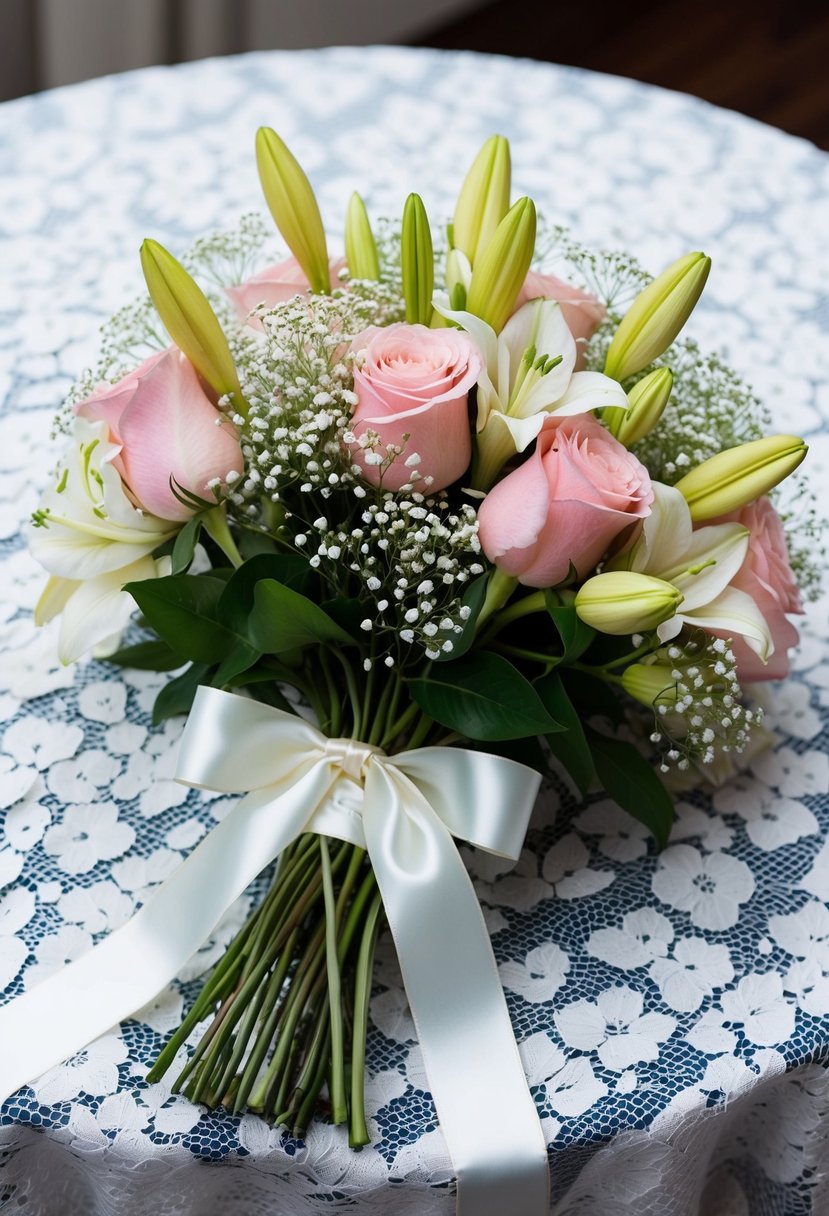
[(426, 501)]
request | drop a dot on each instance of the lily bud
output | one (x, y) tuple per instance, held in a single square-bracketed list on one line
[(293, 206), (734, 478), (656, 316), (190, 321), (647, 682), (417, 262), (360, 246), (502, 267), (621, 602), (647, 400), (484, 198)]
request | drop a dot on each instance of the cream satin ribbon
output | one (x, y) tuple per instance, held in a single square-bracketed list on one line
[(412, 806)]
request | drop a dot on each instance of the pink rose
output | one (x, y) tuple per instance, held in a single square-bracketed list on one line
[(767, 577), (582, 311), (167, 427), (414, 382), (565, 504), (274, 285)]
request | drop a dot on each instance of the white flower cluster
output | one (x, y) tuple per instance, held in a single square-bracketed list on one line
[(298, 381), (700, 713), (413, 560)]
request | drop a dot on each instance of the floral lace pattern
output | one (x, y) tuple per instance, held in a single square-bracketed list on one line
[(672, 1011)]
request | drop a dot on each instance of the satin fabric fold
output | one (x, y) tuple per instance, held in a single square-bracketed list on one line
[(412, 806)]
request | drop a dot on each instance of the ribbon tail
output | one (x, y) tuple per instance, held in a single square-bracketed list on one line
[(133, 964), (486, 1112)]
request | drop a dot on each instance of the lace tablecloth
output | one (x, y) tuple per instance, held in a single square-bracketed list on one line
[(673, 1010)]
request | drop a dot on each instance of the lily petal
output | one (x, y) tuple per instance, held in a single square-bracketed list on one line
[(99, 609), (735, 612), (589, 391), (716, 553)]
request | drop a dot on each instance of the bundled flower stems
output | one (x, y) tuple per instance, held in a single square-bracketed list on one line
[(464, 486)]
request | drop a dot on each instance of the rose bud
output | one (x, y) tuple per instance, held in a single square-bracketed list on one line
[(167, 428), (412, 385), (565, 505)]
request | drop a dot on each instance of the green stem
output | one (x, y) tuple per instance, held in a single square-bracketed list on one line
[(379, 723), (353, 693), (335, 703), (357, 1130), (646, 648), (338, 1099), (530, 604), (535, 656), (268, 1028), (420, 731), (216, 526), (499, 588), (397, 728)]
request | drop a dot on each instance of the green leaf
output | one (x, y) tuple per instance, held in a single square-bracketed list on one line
[(569, 746), (182, 610), (347, 613), (252, 544), (282, 619), (593, 697), (239, 660), (185, 544), (482, 696), (630, 781), (177, 696), (236, 602), (575, 635), (147, 656), (472, 598)]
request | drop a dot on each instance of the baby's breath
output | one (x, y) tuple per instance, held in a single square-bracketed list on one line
[(700, 714), (411, 558), (224, 259)]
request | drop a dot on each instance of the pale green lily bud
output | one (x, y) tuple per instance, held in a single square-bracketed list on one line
[(649, 682), (417, 262), (622, 602), (484, 198), (646, 405), (360, 246), (190, 321), (734, 478), (293, 205), (502, 268), (656, 316)]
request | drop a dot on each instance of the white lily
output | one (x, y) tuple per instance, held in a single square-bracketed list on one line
[(528, 374), (701, 564), (92, 539), (86, 524), (95, 612)]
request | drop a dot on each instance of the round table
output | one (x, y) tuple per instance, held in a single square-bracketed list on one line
[(673, 1010)]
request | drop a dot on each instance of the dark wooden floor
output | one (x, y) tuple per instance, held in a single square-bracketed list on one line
[(766, 58)]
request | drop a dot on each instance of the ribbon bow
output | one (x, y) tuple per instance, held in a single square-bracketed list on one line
[(412, 806)]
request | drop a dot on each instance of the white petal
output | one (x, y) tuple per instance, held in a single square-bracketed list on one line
[(53, 598), (524, 431), (590, 391), (735, 612), (482, 335), (99, 608), (541, 324), (666, 532), (725, 547)]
